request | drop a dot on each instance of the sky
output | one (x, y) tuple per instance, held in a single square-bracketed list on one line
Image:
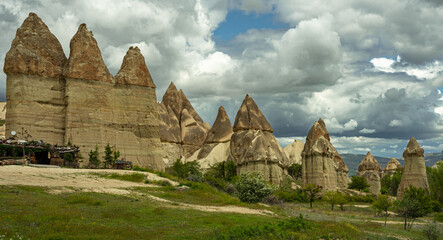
[(371, 69)]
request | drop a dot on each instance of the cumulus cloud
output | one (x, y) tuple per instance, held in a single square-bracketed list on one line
[(369, 68)]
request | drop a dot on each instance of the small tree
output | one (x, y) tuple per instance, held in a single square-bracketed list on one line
[(312, 191), (414, 204), (341, 200), (382, 205), (109, 160), (94, 160), (184, 170), (332, 198), (395, 181), (295, 170), (386, 184), (116, 155), (252, 188), (358, 183)]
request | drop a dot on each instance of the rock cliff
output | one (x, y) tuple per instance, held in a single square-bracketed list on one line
[(370, 169), (318, 158), (253, 147), (414, 172), (293, 152), (341, 170)]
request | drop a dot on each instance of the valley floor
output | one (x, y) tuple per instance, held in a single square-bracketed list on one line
[(61, 203)]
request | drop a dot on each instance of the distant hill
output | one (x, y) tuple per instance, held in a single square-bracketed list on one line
[(353, 160)]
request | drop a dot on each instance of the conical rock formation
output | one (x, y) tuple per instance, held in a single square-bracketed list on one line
[(221, 130), (253, 147), (249, 117), (370, 169), (318, 158), (35, 51), (293, 151), (85, 59), (392, 166), (34, 85), (133, 70), (414, 172)]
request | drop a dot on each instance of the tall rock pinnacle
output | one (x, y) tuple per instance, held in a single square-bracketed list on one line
[(370, 169), (414, 172), (85, 59), (249, 117), (35, 51), (133, 70), (221, 131)]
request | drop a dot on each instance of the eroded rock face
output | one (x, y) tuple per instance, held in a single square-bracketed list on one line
[(133, 70), (182, 117), (35, 51), (392, 166), (370, 169), (249, 117), (414, 172), (253, 147), (293, 152), (318, 158), (85, 59), (341, 170), (221, 131), (34, 84)]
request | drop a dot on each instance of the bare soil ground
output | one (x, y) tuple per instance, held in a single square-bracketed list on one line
[(61, 180)]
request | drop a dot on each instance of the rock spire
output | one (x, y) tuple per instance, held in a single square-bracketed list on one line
[(133, 70)]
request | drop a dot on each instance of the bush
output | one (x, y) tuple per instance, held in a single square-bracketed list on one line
[(361, 199), (194, 178), (358, 183), (292, 195), (252, 188), (295, 170), (94, 161), (183, 170), (415, 203), (395, 181), (435, 179), (431, 232)]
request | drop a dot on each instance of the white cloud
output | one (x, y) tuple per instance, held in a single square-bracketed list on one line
[(365, 130), (395, 123), (428, 71)]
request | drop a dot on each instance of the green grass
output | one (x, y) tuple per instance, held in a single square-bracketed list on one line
[(32, 213), (132, 177)]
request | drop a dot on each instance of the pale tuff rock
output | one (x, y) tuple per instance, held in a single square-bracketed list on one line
[(414, 172), (168, 125), (35, 51), (341, 171), (133, 70), (84, 106), (253, 147), (293, 151), (2, 117), (249, 117), (318, 158), (207, 126), (370, 169), (216, 146), (192, 132), (182, 117), (85, 59), (392, 166), (221, 130), (34, 84)]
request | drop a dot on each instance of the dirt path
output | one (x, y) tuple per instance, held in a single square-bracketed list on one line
[(61, 180)]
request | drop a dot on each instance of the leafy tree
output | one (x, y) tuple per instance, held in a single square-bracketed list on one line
[(109, 160), (382, 205), (435, 179), (341, 201), (415, 203), (252, 188), (386, 184), (358, 183), (312, 191), (395, 181), (332, 198), (295, 170), (94, 160), (183, 170)]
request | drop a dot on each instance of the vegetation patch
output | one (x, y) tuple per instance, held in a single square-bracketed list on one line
[(132, 177)]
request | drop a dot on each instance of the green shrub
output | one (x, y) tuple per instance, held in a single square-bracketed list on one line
[(361, 199), (358, 183), (252, 188), (295, 170), (292, 195), (183, 170), (94, 161), (435, 179), (415, 203), (431, 231), (395, 181), (194, 178)]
